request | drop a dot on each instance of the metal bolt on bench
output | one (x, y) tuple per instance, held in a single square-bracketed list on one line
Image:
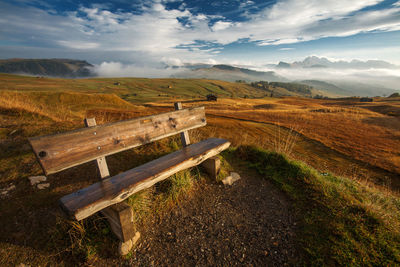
[(65, 150)]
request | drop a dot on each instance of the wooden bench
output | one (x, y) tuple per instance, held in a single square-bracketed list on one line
[(65, 150)]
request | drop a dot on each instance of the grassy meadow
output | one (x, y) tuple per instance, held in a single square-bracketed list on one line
[(346, 196)]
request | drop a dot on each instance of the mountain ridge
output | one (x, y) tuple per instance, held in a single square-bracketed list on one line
[(55, 67), (230, 73), (323, 62)]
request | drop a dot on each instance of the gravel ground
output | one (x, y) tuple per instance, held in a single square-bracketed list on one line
[(249, 223)]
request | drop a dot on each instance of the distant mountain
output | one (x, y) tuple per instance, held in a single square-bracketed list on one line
[(194, 66), (364, 89), (327, 87), (282, 64), (348, 88), (317, 62), (230, 74), (67, 68)]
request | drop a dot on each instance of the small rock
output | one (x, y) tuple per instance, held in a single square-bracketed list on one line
[(235, 176), (231, 178), (37, 179), (5, 191), (11, 187), (227, 180), (43, 186), (135, 238), (125, 247)]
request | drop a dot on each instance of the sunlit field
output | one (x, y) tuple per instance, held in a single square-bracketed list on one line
[(338, 138)]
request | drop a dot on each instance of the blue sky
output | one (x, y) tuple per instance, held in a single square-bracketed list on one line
[(242, 32)]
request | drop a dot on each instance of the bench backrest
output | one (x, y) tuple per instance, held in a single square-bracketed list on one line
[(62, 151)]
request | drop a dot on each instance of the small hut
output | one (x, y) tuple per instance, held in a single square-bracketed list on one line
[(366, 99), (211, 97)]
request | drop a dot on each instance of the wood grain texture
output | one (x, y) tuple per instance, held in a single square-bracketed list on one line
[(120, 217), (101, 162), (212, 166), (184, 135), (109, 191), (65, 150)]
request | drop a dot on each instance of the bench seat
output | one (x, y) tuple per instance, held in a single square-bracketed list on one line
[(87, 201)]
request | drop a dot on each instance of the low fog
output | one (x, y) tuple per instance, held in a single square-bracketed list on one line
[(388, 78), (117, 69), (384, 78)]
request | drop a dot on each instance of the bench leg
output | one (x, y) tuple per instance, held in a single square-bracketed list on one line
[(120, 217), (212, 166)]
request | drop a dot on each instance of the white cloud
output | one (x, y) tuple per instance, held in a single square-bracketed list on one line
[(157, 32), (117, 69), (246, 4), (221, 25), (78, 44)]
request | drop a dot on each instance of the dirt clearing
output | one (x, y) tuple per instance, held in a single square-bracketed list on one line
[(250, 222)]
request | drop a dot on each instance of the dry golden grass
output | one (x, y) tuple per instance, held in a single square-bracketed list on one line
[(352, 129), (289, 125), (59, 106)]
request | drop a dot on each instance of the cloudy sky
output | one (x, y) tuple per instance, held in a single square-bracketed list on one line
[(246, 32)]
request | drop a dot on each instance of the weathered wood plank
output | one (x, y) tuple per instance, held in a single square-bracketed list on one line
[(212, 166), (184, 135), (62, 151), (101, 161), (120, 217), (109, 191)]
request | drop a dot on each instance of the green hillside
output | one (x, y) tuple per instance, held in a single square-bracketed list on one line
[(133, 89), (328, 87)]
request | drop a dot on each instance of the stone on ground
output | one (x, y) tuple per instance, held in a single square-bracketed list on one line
[(125, 247), (135, 238), (43, 186), (37, 179), (5, 191), (231, 178)]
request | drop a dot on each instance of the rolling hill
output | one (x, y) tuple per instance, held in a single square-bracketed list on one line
[(327, 87), (143, 89), (67, 68), (230, 73)]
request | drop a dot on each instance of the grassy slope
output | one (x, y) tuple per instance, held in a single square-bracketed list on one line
[(133, 89), (342, 221)]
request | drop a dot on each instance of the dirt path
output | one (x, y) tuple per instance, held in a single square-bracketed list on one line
[(249, 223)]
